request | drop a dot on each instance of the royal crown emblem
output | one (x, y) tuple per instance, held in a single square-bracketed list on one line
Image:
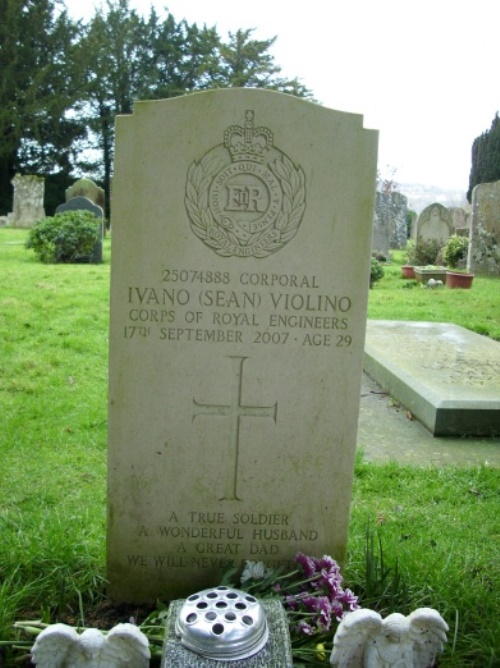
[(248, 143), (245, 197)]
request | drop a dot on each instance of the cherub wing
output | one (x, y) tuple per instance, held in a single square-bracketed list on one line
[(125, 646), (351, 637), (392, 646), (86, 653), (53, 645), (428, 633)]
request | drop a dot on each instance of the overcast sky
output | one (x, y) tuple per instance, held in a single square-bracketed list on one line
[(426, 74)]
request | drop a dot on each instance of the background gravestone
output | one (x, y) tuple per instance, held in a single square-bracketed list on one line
[(28, 200), (84, 204), (484, 246), (460, 220), (240, 273), (435, 222), (389, 222), (87, 188)]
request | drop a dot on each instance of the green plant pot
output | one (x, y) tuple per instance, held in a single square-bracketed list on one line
[(423, 274)]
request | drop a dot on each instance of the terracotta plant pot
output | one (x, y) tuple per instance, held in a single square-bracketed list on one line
[(407, 270), (458, 279)]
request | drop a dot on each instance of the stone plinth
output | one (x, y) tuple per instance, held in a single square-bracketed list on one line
[(447, 376), (276, 653)]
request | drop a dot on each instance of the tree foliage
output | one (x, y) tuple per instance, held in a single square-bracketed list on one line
[(485, 157), (117, 73), (246, 62), (61, 89), (39, 56)]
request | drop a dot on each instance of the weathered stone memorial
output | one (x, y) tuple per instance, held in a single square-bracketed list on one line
[(86, 188), (447, 376), (28, 200), (484, 247), (85, 204), (435, 222), (389, 221), (460, 220), (239, 283)]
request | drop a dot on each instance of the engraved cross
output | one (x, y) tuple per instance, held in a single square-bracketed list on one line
[(234, 411)]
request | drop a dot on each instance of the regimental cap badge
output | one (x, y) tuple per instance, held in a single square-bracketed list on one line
[(248, 142), (245, 197)]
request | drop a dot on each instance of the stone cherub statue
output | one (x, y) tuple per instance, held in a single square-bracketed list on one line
[(60, 646), (365, 640)]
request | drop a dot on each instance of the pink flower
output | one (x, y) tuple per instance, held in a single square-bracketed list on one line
[(306, 563), (329, 564), (315, 593), (350, 599), (305, 628)]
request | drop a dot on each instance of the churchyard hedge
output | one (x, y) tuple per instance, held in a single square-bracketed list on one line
[(65, 237)]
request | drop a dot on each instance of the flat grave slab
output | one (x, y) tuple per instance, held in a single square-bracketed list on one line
[(447, 376)]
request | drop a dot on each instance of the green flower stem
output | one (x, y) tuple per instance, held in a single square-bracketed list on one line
[(306, 594), (287, 575), (301, 613), (29, 627), (304, 582)]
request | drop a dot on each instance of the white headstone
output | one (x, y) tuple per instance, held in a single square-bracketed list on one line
[(240, 269)]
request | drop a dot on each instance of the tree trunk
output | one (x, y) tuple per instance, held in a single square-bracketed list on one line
[(7, 172)]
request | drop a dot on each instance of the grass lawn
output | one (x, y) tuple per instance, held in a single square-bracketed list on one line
[(396, 298), (438, 528)]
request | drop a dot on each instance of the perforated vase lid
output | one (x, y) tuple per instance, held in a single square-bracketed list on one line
[(223, 624)]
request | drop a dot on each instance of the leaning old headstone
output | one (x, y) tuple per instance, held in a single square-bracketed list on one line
[(484, 247), (84, 204), (240, 274), (28, 200)]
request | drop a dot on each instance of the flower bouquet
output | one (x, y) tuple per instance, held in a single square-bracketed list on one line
[(313, 597)]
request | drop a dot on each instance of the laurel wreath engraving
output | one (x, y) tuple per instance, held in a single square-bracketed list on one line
[(292, 181)]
